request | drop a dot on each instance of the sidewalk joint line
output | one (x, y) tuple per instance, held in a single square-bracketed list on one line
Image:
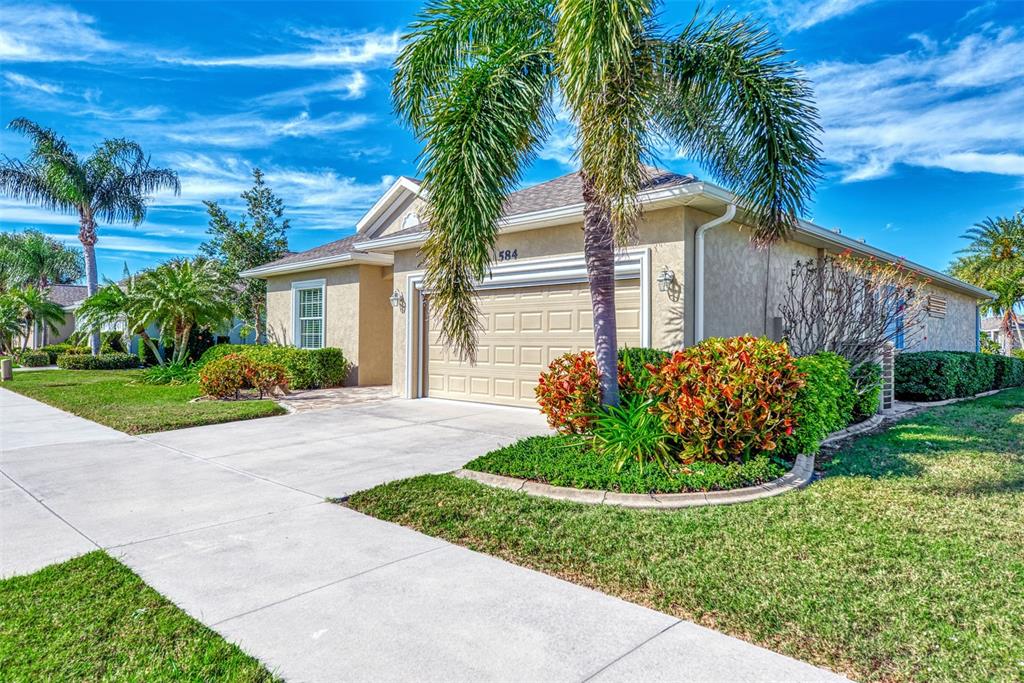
[(630, 651), (49, 509)]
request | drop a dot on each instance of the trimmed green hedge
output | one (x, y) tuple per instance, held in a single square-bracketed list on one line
[(942, 375), (104, 361), (824, 404), (568, 460), (306, 368), (54, 350), (34, 359)]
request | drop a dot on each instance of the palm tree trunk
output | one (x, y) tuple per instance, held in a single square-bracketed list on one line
[(148, 341), (599, 251), (87, 236)]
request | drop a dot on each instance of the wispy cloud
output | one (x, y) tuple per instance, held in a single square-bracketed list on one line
[(799, 15), (324, 49), (349, 87), (49, 33), (24, 82), (952, 104), (250, 131)]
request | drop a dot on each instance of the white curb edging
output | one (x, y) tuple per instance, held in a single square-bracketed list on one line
[(799, 476)]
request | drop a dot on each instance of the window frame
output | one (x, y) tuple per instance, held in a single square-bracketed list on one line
[(297, 288)]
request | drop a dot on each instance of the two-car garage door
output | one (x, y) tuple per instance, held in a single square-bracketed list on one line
[(522, 330)]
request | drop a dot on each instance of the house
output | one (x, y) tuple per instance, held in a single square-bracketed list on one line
[(992, 327), (692, 274), (67, 297)]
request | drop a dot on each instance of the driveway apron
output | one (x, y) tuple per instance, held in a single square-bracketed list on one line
[(229, 522)]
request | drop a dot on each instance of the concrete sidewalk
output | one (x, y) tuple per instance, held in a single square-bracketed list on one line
[(319, 592)]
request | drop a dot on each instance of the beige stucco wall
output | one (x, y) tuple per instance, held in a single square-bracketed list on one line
[(375, 320), (64, 330), (396, 221), (955, 332)]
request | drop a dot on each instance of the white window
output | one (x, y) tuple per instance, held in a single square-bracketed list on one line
[(410, 220), (308, 305)]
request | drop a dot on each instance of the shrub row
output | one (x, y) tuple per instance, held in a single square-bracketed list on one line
[(54, 350), (104, 361), (33, 359), (305, 368), (824, 404), (224, 377), (942, 375)]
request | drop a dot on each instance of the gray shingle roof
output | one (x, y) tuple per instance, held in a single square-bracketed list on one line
[(565, 190), (65, 295)]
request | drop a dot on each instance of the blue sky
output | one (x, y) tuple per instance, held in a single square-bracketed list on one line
[(922, 104)]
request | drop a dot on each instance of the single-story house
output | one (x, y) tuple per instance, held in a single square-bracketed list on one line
[(993, 328), (692, 274), (67, 297)]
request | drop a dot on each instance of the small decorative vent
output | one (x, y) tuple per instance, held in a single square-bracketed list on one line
[(936, 306)]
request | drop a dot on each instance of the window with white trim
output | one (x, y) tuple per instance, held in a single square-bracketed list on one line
[(309, 305)]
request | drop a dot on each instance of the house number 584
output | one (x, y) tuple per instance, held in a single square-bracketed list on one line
[(508, 254)]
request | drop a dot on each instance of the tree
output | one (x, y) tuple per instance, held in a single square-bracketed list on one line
[(36, 309), (121, 305), (11, 322), (184, 295), (35, 258), (112, 184), (994, 260), (247, 244), (477, 82)]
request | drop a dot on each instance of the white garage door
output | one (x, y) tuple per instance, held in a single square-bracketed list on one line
[(522, 330)]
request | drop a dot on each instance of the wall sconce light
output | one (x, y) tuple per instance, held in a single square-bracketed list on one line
[(397, 300), (666, 278)]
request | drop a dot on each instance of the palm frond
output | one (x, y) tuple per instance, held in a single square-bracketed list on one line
[(764, 126)]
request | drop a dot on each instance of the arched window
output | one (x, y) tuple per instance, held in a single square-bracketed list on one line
[(410, 220)]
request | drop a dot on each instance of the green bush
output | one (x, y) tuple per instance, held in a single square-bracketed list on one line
[(867, 388), (942, 375), (104, 361), (633, 432), (172, 373), (569, 460), (823, 405), (34, 359), (112, 341), (306, 368), (638, 363), (54, 350)]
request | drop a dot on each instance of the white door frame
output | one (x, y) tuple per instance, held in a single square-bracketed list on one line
[(630, 264)]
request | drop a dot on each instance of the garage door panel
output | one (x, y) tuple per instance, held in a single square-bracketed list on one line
[(522, 330)]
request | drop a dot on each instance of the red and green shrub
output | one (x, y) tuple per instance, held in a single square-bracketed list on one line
[(728, 399), (224, 377), (266, 377), (569, 393)]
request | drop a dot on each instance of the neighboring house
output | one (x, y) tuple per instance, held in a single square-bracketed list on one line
[(992, 327), (364, 293), (67, 297)]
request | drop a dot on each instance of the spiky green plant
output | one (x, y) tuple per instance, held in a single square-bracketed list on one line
[(112, 184), (36, 309), (120, 305), (477, 81), (631, 431)]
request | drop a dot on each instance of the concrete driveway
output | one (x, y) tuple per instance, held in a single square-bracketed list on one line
[(229, 522)]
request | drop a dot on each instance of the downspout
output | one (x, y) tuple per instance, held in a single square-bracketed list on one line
[(698, 270)]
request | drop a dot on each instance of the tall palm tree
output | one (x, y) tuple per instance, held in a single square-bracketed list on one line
[(121, 305), (477, 82), (11, 322), (43, 261), (1009, 291), (183, 296), (36, 310), (112, 184)]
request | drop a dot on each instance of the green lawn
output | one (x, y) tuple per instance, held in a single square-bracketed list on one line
[(92, 619), (117, 399), (905, 563)]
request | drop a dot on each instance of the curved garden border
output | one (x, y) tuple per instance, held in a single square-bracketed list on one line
[(799, 476)]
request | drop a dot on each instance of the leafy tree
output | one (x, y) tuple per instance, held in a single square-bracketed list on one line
[(35, 308), (121, 305), (258, 238), (11, 322), (184, 295), (477, 81), (111, 184), (31, 257), (994, 260)]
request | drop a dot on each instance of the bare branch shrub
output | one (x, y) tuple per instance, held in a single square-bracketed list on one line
[(852, 306)]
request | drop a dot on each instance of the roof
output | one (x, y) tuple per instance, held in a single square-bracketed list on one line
[(65, 295), (335, 248)]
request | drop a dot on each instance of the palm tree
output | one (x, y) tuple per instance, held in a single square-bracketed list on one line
[(35, 309), (43, 261), (184, 295), (477, 82), (11, 322), (120, 305), (1009, 291), (112, 184)]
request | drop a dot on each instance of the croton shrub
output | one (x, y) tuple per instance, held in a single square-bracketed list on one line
[(728, 399), (569, 394), (226, 376)]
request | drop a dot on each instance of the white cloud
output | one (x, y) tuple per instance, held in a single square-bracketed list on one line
[(349, 87), (329, 49), (49, 33), (253, 130), (799, 15), (951, 104), (22, 81)]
